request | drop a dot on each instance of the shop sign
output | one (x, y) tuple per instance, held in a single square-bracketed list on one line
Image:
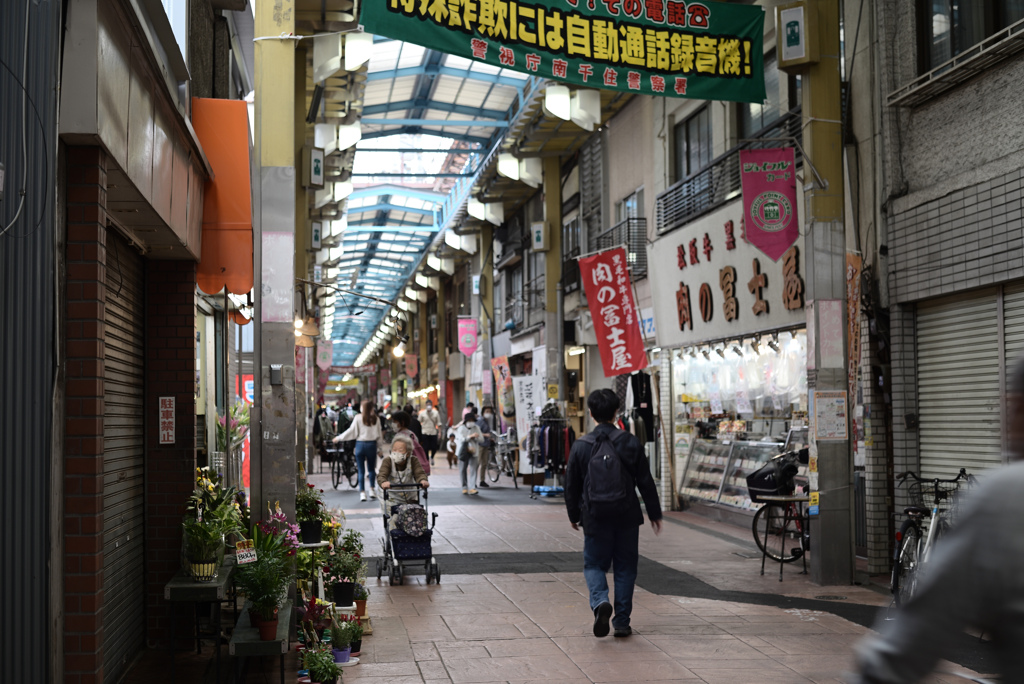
[(467, 335), (769, 199), (503, 386), (167, 420), (412, 365), (324, 354), (528, 396), (368, 369), (718, 285), (701, 50), (612, 308)]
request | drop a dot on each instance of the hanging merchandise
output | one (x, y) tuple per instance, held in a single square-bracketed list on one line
[(642, 402)]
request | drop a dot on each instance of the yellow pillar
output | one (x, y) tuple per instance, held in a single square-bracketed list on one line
[(555, 367)]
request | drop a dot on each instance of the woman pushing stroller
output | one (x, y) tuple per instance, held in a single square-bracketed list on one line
[(400, 467)]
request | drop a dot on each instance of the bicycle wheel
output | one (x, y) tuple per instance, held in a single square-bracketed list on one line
[(907, 562), (494, 468), (351, 472), (336, 472), (778, 542)]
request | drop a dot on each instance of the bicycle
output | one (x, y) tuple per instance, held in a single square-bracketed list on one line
[(344, 465), (778, 525), (501, 461), (922, 529)]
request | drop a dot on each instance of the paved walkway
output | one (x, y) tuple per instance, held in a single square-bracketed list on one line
[(512, 604)]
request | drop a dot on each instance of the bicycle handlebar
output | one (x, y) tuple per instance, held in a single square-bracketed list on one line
[(962, 475)]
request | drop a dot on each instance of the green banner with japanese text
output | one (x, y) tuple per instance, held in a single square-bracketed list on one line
[(698, 50)]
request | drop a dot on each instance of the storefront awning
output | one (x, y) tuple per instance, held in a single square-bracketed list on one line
[(223, 130)]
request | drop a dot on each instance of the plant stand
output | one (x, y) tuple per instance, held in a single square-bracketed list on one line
[(319, 570), (246, 643), (184, 589)]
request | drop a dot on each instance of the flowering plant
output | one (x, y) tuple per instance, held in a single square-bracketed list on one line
[(362, 593), (232, 428), (204, 534), (344, 630), (310, 506), (352, 542), (319, 660), (342, 566), (275, 536), (316, 617)]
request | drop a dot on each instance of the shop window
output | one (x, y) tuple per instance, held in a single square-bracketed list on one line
[(949, 27), (693, 144)]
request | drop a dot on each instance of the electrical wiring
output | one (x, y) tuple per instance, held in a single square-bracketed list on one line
[(24, 123)]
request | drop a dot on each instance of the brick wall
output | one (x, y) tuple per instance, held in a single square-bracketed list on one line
[(83, 444), (170, 371)]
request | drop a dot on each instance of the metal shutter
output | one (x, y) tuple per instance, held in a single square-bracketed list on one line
[(958, 372), (123, 462)]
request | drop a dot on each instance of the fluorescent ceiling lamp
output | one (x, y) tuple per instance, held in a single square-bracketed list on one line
[(410, 293), (531, 171), (349, 135), (495, 213), (326, 136), (403, 305), (339, 226), (585, 108), (508, 165), (323, 197), (476, 209), (326, 56), (342, 189), (576, 351), (557, 101), (422, 280), (358, 49), (453, 240)]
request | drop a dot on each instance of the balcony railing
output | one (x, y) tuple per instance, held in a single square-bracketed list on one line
[(571, 271), (632, 233), (719, 182)]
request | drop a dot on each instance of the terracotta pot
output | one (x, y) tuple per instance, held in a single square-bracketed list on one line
[(361, 607), (268, 630)]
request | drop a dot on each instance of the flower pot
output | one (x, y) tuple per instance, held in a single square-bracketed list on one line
[(341, 655), (360, 607), (203, 570), (344, 593), (268, 629), (356, 646), (311, 531)]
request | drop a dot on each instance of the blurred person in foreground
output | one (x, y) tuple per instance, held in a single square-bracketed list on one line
[(975, 578)]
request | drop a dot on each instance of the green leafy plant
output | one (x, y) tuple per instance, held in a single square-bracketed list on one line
[(204, 534), (362, 593), (352, 542), (275, 536), (341, 633), (319, 661), (310, 506), (265, 583), (341, 566)]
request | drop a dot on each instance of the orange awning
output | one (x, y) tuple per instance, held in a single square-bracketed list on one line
[(222, 127)]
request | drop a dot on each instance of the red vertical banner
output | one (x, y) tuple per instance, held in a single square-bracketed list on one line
[(610, 299), (854, 263), (768, 178)]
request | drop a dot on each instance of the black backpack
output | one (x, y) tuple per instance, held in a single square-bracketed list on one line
[(608, 484)]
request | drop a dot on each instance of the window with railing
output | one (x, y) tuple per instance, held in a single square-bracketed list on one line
[(718, 183), (631, 234), (692, 143), (570, 251), (514, 300), (949, 27)]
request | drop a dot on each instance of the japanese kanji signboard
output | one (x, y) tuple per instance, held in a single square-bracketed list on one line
[(167, 420), (610, 299), (769, 199), (702, 50)]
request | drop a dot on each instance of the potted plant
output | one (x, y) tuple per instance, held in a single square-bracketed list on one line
[(341, 639), (315, 617), (319, 662), (356, 629), (311, 513), (360, 597), (341, 571), (203, 539), (265, 583)]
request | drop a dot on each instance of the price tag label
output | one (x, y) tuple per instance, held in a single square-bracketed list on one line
[(245, 552)]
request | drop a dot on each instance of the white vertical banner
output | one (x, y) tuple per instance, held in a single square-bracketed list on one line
[(528, 397)]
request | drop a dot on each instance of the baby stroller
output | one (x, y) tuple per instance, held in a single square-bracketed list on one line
[(400, 546)]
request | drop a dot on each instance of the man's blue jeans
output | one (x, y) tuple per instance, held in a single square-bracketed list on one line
[(617, 548)]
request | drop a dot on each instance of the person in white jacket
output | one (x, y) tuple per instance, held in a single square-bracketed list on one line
[(368, 434)]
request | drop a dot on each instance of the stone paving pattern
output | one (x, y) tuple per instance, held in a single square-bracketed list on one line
[(536, 627)]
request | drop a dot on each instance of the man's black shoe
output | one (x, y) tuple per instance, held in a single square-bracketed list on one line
[(602, 614), (484, 484), (623, 631)]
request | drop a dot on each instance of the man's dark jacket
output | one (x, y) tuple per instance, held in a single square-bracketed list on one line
[(631, 452)]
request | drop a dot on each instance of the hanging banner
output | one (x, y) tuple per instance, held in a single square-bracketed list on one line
[(701, 50), (368, 369), (385, 376), (468, 333), (412, 365), (610, 299), (324, 354), (528, 396), (503, 387), (300, 366), (768, 178), (853, 267)]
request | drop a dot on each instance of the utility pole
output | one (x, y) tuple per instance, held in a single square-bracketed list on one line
[(825, 272), (272, 471), (553, 324), (486, 297)]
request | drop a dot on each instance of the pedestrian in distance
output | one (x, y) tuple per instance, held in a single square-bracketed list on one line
[(414, 424), (486, 424), (468, 438), (403, 428), (367, 431), (974, 577), (605, 468), (430, 423)]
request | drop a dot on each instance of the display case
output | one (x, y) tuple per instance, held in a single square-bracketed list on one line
[(705, 469), (745, 458)]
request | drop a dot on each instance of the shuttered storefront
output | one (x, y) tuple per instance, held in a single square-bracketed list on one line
[(123, 461), (959, 370)]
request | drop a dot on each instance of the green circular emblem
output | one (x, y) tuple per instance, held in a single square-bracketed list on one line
[(771, 211)]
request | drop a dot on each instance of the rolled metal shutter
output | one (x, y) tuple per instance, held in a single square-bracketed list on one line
[(958, 373), (124, 599)]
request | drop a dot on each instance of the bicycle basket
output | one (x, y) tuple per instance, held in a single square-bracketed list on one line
[(923, 494), (773, 478)]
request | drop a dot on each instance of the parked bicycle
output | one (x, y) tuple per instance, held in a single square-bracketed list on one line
[(922, 528), (502, 459), (780, 530), (343, 465)]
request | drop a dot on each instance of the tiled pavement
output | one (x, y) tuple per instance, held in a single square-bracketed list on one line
[(536, 626)]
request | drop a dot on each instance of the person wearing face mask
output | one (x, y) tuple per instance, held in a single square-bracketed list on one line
[(487, 427), (400, 467), (403, 426), (467, 449)]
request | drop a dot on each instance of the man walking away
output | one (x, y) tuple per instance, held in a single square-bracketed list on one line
[(605, 467)]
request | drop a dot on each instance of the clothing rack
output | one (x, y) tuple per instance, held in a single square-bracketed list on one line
[(550, 439)]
